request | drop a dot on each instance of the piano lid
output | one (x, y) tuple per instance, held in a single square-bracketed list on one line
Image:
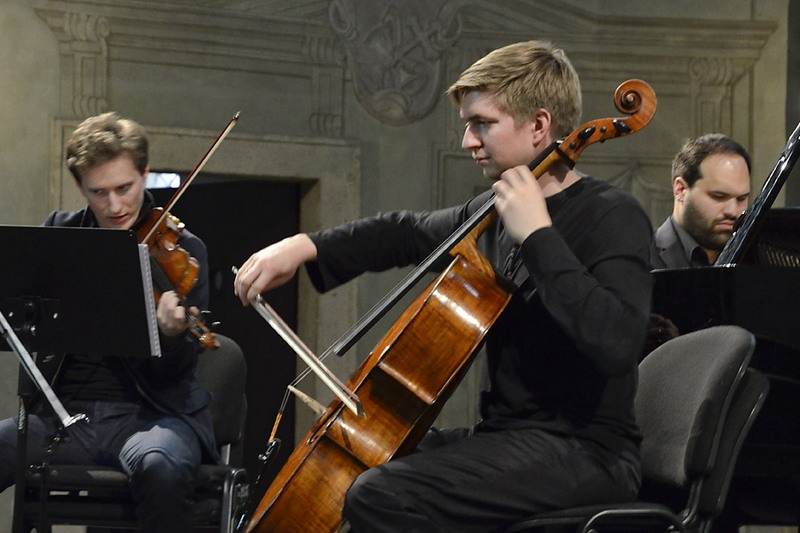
[(747, 226)]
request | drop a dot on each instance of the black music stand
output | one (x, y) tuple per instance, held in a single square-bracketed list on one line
[(78, 290), (71, 290)]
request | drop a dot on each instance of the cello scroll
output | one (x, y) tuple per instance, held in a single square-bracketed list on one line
[(633, 97)]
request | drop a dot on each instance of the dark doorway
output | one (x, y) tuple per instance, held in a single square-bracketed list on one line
[(236, 218)]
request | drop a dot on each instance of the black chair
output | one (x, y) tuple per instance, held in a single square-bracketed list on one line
[(749, 398), (695, 404), (99, 497)]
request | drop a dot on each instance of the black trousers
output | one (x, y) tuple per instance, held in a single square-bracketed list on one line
[(464, 481)]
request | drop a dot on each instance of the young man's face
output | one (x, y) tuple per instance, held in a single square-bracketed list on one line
[(491, 135), (709, 210), (114, 191)]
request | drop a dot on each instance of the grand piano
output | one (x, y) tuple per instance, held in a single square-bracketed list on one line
[(755, 284)]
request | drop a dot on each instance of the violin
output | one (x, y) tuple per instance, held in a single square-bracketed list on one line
[(402, 393), (172, 267)]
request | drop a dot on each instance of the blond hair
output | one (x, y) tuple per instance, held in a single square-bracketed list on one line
[(523, 78)]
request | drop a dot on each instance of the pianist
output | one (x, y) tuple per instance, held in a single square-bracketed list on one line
[(710, 186)]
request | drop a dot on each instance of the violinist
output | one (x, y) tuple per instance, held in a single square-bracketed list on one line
[(148, 416), (557, 427)]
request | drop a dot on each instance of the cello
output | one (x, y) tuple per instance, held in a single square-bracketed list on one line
[(401, 391)]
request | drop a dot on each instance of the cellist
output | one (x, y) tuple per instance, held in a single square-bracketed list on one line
[(557, 427), (149, 417)]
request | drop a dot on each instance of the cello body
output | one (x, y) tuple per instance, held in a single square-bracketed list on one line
[(448, 321)]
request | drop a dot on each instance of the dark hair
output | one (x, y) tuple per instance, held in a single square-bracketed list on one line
[(101, 138), (694, 151)]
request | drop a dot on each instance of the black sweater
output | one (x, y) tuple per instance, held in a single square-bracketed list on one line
[(563, 355)]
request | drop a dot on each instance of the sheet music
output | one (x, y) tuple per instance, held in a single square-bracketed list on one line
[(149, 300)]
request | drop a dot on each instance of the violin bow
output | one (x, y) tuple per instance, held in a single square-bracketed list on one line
[(192, 174)]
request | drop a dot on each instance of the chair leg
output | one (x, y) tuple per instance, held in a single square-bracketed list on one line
[(234, 500), (226, 515), (43, 525)]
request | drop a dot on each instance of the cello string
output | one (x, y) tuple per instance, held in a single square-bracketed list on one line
[(352, 335)]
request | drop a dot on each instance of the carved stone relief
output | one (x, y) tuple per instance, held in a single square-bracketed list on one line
[(712, 80), (395, 50)]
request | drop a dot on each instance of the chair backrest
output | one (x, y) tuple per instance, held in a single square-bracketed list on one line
[(686, 386), (696, 401), (223, 373), (747, 402)]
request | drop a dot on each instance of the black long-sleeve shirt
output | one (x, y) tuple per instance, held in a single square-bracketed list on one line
[(563, 355)]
